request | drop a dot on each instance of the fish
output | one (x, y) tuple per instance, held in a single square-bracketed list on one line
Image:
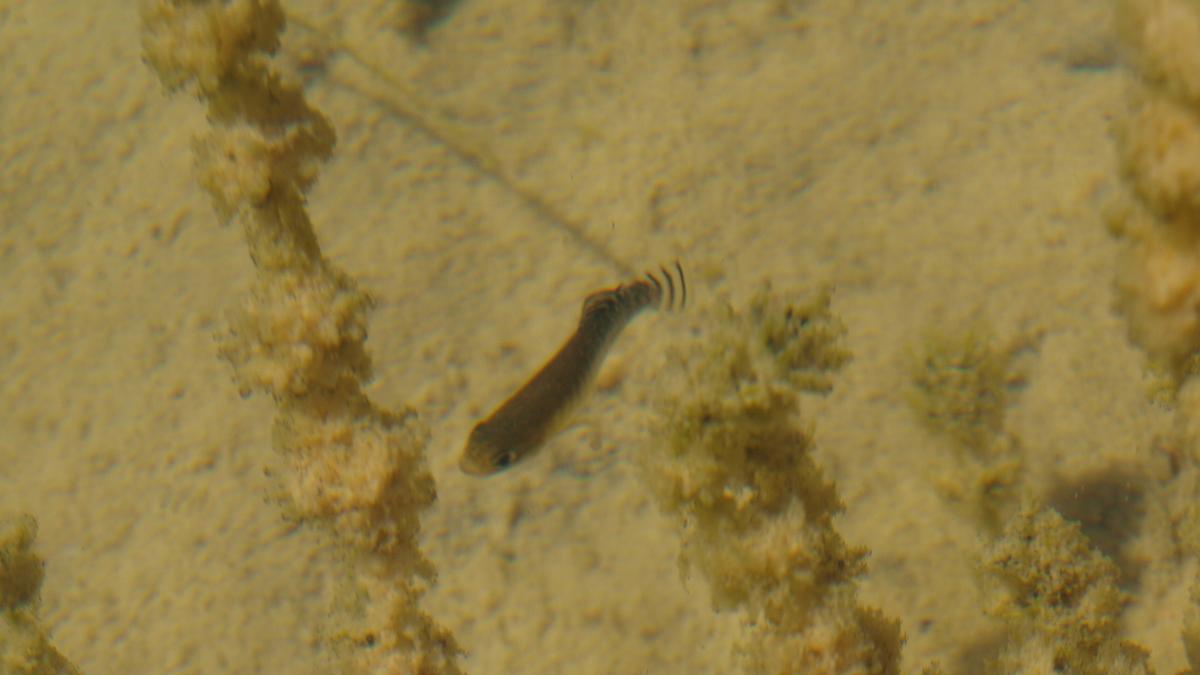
[(543, 405)]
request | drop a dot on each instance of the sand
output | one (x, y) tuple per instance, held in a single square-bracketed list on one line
[(937, 162)]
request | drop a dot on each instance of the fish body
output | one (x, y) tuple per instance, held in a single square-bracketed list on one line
[(541, 407)]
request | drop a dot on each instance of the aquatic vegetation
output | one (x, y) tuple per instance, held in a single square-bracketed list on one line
[(299, 333), (25, 647), (731, 462), (960, 387), (1062, 602), (806, 341), (1158, 146), (960, 391)]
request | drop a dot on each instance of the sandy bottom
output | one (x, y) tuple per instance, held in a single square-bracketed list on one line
[(938, 162)]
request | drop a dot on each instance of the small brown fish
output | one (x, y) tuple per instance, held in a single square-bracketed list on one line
[(540, 408)]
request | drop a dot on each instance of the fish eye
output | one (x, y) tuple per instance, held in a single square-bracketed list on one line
[(504, 459)]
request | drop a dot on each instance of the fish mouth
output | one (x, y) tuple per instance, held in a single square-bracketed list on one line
[(472, 466)]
